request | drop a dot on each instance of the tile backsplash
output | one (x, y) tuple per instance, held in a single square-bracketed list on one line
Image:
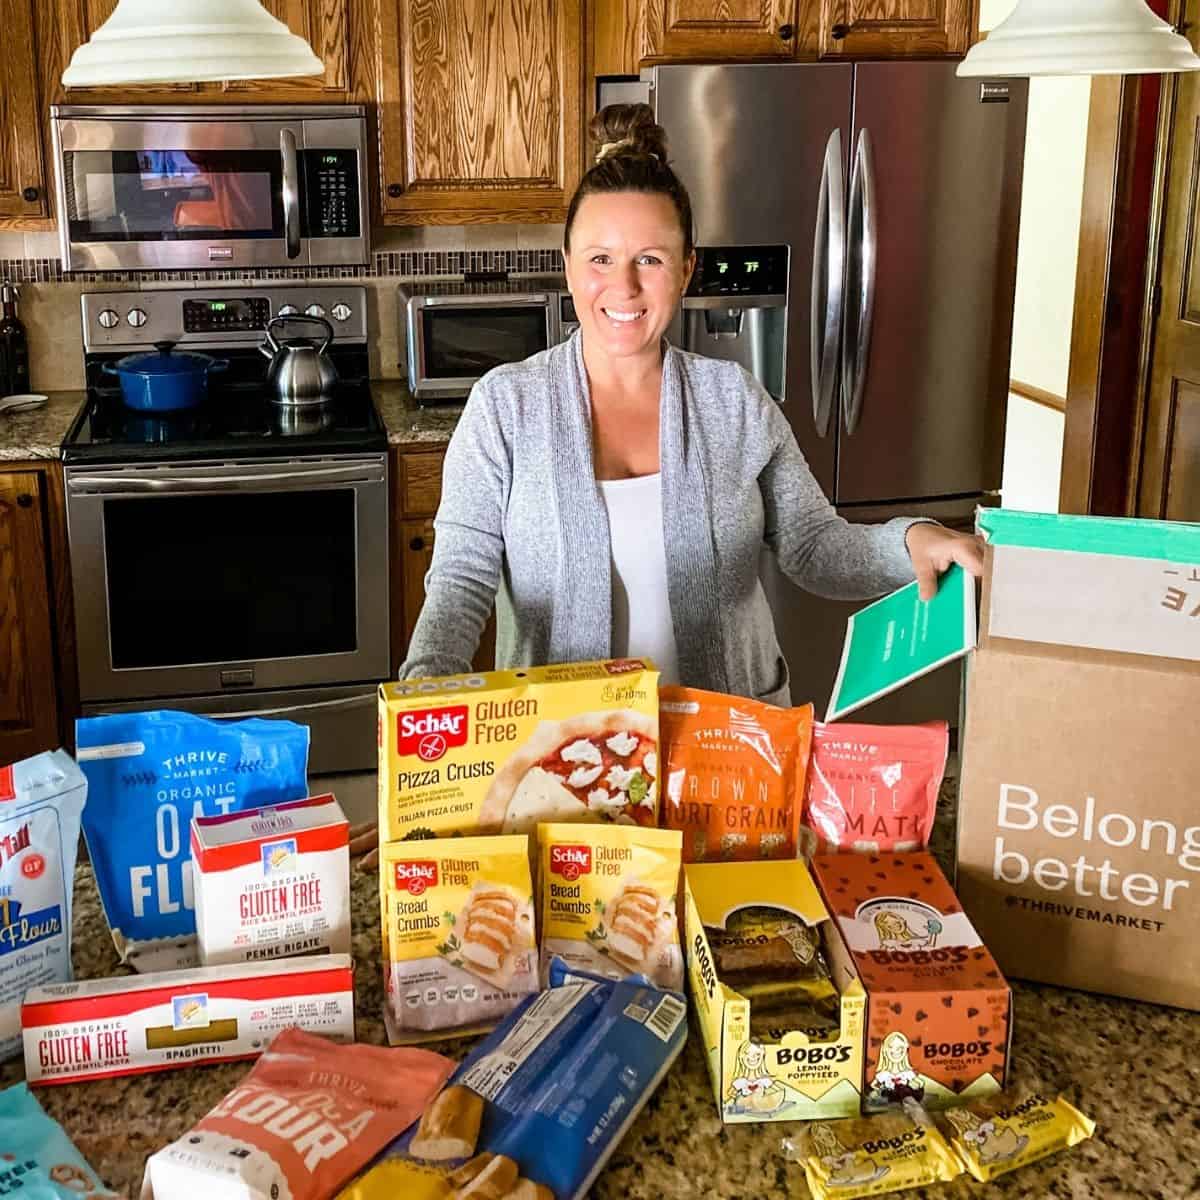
[(50, 306)]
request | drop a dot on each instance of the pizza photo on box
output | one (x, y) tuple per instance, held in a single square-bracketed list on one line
[(594, 766)]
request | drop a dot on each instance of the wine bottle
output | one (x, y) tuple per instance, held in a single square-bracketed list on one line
[(14, 346)]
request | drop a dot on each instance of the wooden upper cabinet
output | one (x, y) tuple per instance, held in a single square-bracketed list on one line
[(324, 24), (22, 179), (480, 109), (28, 696), (896, 28), (679, 30)]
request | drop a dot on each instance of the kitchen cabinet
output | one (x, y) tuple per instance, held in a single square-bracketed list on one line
[(480, 109), (22, 171), (326, 24), (30, 522), (896, 28), (416, 483), (724, 29)]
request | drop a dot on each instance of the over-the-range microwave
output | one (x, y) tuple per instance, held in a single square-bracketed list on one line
[(455, 331), (168, 188)]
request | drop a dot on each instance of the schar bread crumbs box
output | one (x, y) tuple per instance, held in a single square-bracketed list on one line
[(939, 1013), (765, 1059), (504, 751)]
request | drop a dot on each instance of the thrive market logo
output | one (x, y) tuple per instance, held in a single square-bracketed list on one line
[(430, 732), (570, 861), (415, 877)]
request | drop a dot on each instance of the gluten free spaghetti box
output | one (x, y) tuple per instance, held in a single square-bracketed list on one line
[(790, 1075)]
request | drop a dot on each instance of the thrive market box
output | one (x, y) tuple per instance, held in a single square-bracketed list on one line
[(1078, 826), (792, 1076), (503, 752), (939, 1013)]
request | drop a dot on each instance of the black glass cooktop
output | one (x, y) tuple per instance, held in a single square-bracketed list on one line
[(237, 420)]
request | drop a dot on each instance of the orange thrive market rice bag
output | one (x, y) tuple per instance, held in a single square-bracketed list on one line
[(735, 771)]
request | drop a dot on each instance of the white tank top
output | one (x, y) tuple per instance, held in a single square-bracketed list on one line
[(641, 612)]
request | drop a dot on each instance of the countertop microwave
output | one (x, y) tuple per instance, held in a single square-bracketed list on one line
[(168, 188), (456, 331)]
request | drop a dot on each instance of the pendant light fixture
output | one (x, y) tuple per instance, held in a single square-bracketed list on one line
[(189, 41), (1080, 37)]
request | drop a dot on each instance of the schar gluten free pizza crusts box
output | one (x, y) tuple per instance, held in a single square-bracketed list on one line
[(939, 1013), (504, 751)]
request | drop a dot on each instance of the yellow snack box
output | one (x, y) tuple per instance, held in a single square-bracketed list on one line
[(501, 752), (872, 1156), (1000, 1133), (608, 896), (767, 1064), (459, 949)]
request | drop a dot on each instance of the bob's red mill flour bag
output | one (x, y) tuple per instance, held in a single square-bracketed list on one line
[(1078, 824), (504, 751)]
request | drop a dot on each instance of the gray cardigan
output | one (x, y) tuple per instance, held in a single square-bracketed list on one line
[(522, 523)]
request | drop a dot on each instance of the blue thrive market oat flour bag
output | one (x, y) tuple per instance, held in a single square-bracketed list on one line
[(148, 775), (41, 799)]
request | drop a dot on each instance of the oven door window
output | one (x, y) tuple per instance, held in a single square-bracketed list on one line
[(465, 342), (230, 578), (173, 195)]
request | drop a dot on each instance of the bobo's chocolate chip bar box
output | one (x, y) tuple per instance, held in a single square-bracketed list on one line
[(504, 751), (783, 1033), (939, 1013)]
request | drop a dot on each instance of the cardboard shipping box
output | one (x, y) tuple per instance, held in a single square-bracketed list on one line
[(1078, 824), (939, 1013), (781, 1075)]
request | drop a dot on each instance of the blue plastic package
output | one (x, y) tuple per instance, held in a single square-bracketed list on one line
[(37, 1159), (562, 1079), (148, 775)]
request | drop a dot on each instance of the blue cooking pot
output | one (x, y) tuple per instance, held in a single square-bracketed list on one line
[(164, 381)]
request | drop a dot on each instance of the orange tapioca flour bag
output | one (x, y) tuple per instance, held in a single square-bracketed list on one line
[(306, 1119), (734, 771)]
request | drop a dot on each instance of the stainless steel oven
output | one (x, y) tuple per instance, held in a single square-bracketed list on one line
[(152, 188), (219, 578), (455, 332)]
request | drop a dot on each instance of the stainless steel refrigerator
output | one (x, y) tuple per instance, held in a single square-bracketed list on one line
[(858, 226)]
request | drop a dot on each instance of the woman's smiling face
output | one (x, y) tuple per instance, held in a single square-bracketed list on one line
[(626, 269)]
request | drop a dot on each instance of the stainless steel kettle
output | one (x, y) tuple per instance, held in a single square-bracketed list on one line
[(301, 373)]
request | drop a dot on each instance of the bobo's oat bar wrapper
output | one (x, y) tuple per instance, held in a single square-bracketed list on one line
[(735, 772), (102, 1028), (41, 799), (148, 775), (37, 1159), (272, 882), (874, 789), (459, 948), (1003, 1132), (502, 752), (607, 900), (872, 1156), (303, 1122)]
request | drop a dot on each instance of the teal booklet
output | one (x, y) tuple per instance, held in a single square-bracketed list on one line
[(902, 637)]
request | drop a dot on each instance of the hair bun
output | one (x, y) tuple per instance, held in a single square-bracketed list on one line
[(628, 129)]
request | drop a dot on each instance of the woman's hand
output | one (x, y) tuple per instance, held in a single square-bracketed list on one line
[(933, 548)]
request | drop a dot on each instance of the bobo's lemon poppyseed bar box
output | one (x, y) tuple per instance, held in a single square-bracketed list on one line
[(939, 1013), (762, 1066), (503, 751)]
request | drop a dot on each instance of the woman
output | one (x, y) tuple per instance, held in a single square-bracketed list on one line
[(612, 494)]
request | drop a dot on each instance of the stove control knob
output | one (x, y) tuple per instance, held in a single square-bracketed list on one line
[(136, 317), (341, 311), (287, 310), (108, 319), (315, 310)]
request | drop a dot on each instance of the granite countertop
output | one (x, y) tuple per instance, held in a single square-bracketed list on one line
[(1130, 1066), (38, 432)]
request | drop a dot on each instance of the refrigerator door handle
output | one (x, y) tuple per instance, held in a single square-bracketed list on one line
[(829, 262), (860, 281)]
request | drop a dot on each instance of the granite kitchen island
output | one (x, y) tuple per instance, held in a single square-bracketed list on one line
[(1131, 1066)]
